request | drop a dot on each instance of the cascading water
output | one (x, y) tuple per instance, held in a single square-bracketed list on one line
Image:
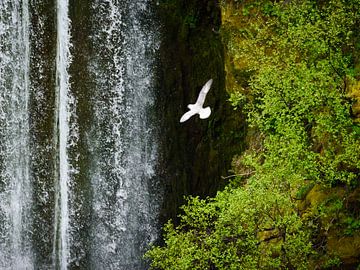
[(15, 187), (78, 185), (66, 136), (123, 139)]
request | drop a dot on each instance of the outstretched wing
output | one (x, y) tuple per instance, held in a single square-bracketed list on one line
[(202, 95), (186, 116)]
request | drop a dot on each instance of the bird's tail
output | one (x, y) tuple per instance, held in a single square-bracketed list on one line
[(186, 116)]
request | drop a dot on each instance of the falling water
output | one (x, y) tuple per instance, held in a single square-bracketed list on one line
[(66, 136), (123, 138), (15, 187), (78, 138)]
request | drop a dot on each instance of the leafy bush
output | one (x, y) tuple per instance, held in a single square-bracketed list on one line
[(302, 57)]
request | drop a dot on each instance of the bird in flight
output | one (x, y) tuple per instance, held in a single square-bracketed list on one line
[(197, 108)]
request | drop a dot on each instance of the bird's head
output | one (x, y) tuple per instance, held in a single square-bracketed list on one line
[(205, 113)]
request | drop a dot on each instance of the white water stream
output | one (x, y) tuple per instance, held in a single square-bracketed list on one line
[(42, 185), (15, 187), (66, 136), (123, 140)]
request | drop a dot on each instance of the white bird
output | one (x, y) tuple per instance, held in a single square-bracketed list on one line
[(197, 108)]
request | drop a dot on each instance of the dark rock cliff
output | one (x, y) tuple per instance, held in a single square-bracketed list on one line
[(198, 152)]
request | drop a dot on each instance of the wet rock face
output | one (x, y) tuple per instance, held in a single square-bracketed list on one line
[(198, 152)]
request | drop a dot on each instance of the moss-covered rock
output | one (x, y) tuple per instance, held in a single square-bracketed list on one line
[(334, 210), (354, 93), (338, 235)]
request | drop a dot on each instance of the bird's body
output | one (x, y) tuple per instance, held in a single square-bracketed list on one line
[(197, 108)]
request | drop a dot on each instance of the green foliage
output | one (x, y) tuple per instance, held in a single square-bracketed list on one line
[(303, 191), (331, 262), (233, 230), (236, 99), (299, 87), (301, 56), (352, 225), (191, 21)]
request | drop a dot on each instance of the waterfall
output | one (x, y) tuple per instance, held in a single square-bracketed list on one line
[(78, 134), (15, 186), (123, 140), (65, 136)]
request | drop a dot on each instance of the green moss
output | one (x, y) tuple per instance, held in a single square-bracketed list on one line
[(347, 248)]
